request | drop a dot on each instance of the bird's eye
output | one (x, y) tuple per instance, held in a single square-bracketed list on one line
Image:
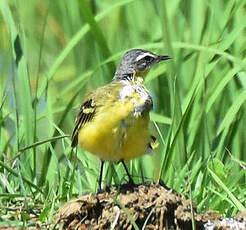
[(144, 62), (148, 58)]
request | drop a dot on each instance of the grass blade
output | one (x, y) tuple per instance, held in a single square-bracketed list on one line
[(229, 193)]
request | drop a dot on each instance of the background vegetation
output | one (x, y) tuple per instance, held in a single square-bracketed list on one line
[(52, 52)]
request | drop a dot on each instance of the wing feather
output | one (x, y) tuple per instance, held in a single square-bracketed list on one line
[(86, 113)]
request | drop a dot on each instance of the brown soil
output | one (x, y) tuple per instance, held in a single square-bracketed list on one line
[(148, 206)]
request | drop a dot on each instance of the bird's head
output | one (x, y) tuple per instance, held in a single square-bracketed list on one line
[(137, 62)]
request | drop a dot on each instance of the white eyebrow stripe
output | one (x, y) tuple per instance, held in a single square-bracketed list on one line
[(144, 55)]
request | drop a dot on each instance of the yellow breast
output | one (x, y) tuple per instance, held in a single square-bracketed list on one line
[(116, 131)]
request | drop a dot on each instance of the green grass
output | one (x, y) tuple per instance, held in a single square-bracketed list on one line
[(52, 52)]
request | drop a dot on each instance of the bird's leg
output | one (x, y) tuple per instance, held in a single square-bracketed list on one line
[(100, 177), (131, 182)]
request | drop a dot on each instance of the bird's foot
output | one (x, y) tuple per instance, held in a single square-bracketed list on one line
[(128, 186), (101, 190)]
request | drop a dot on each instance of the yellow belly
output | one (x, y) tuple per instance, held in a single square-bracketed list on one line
[(115, 133)]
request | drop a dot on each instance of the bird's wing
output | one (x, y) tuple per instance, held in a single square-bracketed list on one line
[(86, 112), (89, 107)]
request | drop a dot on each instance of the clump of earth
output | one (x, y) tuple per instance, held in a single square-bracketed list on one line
[(146, 207)]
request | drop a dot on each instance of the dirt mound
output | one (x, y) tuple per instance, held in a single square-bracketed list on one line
[(144, 207)]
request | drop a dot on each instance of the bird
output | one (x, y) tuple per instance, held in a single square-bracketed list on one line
[(113, 120)]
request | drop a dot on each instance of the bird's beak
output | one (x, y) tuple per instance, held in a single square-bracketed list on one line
[(163, 58)]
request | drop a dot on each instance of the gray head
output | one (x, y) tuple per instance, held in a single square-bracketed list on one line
[(137, 61)]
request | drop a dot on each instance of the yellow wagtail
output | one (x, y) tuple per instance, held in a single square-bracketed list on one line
[(112, 122)]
